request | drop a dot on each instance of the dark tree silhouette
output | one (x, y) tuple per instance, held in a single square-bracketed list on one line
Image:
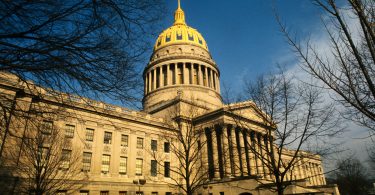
[(351, 177), (347, 68), (85, 47)]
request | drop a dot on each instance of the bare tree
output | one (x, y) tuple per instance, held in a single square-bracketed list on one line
[(36, 155), (351, 177), (48, 162), (78, 46), (188, 172), (371, 155), (295, 122), (347, 68)]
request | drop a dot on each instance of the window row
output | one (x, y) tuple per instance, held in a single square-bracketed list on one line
[(106, 192), (89, 136), (106, 161)]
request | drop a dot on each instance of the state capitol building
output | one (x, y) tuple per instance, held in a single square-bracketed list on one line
[(128, 152)]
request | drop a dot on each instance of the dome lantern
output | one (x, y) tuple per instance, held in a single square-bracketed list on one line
[(179, 16)]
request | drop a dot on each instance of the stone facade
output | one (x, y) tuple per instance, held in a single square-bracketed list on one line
[(116, 144)]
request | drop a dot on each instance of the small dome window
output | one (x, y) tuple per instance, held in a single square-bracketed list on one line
[(168, 38), (200, 41), (159, 42), (179, 36), (167, 51), (191, 37)]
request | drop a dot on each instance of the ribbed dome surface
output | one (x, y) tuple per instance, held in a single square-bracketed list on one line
[(180, 33)]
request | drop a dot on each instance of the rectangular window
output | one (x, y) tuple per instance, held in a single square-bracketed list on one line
[(89, 134), (47, 127), (154, 168), (122, 193), (154, 193), (107, 137), (123, 165), (105, 163), (124, 140), (166, 147), (138, 166), (65, 159), (69, 131), (139, 193), (104, 192), (84, 192), (167, 169), (139, 143), (154, 145), (168, 193), (86, 161)]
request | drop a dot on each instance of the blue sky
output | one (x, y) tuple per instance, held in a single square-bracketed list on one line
[(243, 36), (245, 41)]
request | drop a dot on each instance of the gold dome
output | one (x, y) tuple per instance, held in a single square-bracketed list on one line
[(180, 33)]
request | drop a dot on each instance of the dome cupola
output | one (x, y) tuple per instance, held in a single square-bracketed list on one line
[(181, 64)]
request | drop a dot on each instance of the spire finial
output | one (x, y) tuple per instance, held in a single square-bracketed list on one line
[(179, 15)]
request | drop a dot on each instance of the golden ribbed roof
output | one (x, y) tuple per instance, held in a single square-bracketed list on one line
[(180, 33)]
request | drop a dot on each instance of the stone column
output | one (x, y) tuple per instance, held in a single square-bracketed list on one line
[(317, 180), (236, 154), (242, 152), (210, 153), (231, 140), (251, 155), (204, 159), (263, 152), (218, 83), (185, 73), (259, 155), (154, 78), (206, 73), (146, 84), (215, 153), (191, 73), (300, 170), (267, 156), (200, 78), (175, 73), (226, 155), (311, 175), (212, 78), (246, 150), (161, 76), (219, 141)]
